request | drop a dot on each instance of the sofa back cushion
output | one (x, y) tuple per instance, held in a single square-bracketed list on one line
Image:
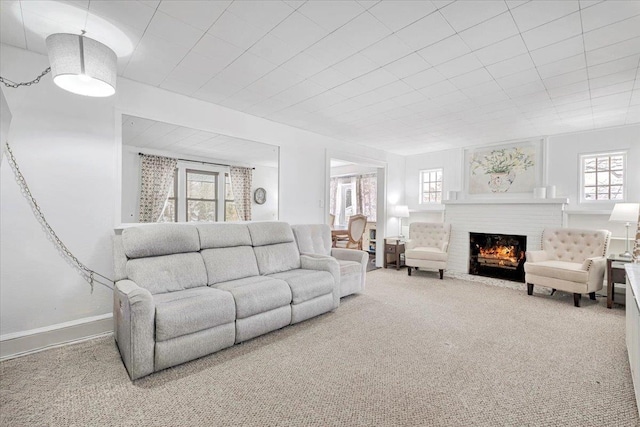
[(274, 246), (168, 273), (313, 238), (224, 264), (574, 245), (159, 239), (223, 235), (429, 234), (227, 252)]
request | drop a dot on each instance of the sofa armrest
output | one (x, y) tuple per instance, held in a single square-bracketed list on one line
[(595, 267), (445, 247), (537, 256), (134, 317), (324, 263), (409, 244), (351, 255)]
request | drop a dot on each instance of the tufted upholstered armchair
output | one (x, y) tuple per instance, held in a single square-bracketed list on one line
[(427, 246), (571, 260)]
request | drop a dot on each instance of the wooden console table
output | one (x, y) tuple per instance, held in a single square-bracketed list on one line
[(615, 274), (393, 252)]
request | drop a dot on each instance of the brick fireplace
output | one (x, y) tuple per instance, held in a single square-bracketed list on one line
[(521, 217)]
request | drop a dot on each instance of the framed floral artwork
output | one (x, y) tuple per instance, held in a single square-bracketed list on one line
[(510, 169)]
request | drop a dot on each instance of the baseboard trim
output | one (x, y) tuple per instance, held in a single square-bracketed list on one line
[(35, 340)]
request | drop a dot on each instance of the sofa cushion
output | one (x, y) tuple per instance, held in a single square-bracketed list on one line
[(257, 294), (168, 273), (160, 239), (274, 246), (426, 253), (277, 258), (223, 235), (570, 271), (270, 233), (224, 264), (349, 267), (313, 238), (192, 310), (307, 284)]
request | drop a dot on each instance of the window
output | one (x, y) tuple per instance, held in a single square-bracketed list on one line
[(230, 212), (202, 188), (602, 177), (431, 186), (170, 211)]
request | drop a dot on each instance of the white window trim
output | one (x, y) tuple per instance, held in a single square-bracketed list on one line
[(581, 158), (421, 183)]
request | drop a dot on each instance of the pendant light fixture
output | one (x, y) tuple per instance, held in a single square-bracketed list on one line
[(82, 65)]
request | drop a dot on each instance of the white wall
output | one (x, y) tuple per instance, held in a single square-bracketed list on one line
[(5, 121), (266, 178), (67, 146)]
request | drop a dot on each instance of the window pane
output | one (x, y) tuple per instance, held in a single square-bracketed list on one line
[(616, 192), (603, 178), (590, 193), (201, 186), (603, 163), (589, 164), (198, 210), (617, 163), (589, 179), (617, 177), (603, 193)]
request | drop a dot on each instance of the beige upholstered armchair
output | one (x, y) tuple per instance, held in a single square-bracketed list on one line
[(571, 260), (427, 246)]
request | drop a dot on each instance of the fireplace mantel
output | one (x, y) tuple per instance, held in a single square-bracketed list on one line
[(557, 201)]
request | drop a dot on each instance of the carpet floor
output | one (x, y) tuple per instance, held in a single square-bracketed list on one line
[(409, 351)]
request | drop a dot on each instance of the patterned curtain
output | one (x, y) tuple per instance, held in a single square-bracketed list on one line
[(156, 181), (241, 187), (366, 195), (333, 193)]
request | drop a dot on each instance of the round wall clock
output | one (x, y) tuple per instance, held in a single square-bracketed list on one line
[(260, 196)]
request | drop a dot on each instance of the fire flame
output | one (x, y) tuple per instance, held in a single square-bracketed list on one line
[(500, 252)]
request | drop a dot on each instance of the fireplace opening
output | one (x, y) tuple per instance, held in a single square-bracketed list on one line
[(501, 256)]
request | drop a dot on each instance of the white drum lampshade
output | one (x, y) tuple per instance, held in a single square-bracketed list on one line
[(82, 65)]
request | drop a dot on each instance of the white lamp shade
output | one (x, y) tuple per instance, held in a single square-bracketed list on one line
[(625, 212), (400, 211), (82, 65)]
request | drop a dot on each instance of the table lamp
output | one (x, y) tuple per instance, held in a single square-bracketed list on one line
[(400, 211), (627, 213)]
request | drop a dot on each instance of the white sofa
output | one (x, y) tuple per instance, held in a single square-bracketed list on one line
[(315, 240), (184, 291), (428, 246), (571, 260)]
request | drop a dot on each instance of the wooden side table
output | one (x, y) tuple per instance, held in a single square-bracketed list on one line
[(615, 274), (393, 252)]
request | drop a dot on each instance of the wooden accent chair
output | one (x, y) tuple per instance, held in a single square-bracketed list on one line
[(571, 260), (354, 234)]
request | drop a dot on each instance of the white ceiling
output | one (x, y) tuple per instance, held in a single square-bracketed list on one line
[(402, 76), (145, 133)]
